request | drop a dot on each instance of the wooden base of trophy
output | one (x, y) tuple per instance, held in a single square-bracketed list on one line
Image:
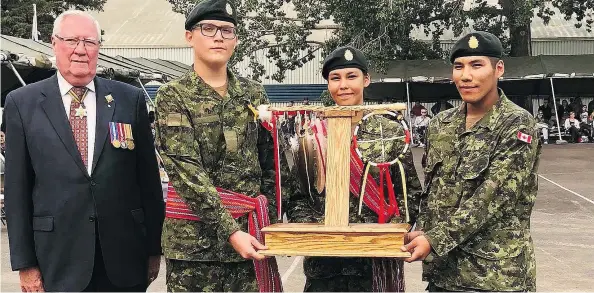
[(355, 240), (336, 237)]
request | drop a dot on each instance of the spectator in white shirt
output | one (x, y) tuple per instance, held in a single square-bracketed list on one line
[(420, 124), (543, 126), (572, 125)]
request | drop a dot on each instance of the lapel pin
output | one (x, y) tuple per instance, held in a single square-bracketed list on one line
[(109, 99)]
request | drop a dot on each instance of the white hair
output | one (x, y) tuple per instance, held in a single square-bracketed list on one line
[(65, 14)]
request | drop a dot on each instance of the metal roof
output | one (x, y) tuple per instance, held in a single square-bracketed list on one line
[(132, 23), (168, 67)]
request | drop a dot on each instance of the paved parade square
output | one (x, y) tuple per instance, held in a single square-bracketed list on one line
[(562, 223)]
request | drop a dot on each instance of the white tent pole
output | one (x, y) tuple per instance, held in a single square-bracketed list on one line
[(408, 108), (560, 141), (16, 73), (148, 97), (34, 31)]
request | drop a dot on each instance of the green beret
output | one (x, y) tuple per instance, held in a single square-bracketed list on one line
[(211, 10), (477, 44), (344, 57)]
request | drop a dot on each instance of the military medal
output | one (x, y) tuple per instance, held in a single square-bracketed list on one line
[(81, 111), (113, 135), (122, 136), (129, 138)]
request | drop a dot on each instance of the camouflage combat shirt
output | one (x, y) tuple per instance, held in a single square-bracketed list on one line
[(481, 185), (209, 141), (302, 208)]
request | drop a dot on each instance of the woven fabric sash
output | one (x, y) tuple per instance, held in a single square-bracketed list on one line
[(238, 205)]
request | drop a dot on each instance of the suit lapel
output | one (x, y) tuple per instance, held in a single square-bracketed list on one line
[(54, 109), (105, 112)]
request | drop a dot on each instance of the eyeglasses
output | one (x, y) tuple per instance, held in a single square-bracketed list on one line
[(210, 30), (73, 42)]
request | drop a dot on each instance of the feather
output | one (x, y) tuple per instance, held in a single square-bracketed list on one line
[(306, 162), (321, 145), (294, 143), (264, 114)]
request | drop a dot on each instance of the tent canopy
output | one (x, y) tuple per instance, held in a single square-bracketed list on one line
[(35, 61), (573, 75)]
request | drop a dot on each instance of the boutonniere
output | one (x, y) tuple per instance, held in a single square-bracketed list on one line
[(109, 99)]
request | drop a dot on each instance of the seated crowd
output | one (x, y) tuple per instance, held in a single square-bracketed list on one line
[(576, 121)]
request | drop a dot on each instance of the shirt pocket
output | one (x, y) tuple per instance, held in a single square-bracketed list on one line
[(210, 136), (177, 135), (495, 259), (442, 189), (472, 172), (44, 224), (473, 165), (241, 129)]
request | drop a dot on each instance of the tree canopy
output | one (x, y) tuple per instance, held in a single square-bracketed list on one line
[(281, 30), (265, 28), (382, 29), (17, 15)]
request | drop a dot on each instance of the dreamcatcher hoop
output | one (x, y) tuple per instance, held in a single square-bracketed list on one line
[(406, 137), (384, 166)]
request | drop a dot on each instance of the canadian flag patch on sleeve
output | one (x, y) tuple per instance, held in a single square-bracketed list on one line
[(524, 137)]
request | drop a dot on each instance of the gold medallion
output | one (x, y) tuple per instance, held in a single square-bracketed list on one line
[(130, 145), (473, 42), (116, 143)]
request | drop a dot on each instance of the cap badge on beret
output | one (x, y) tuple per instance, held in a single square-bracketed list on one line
[(348, 55), (229, 9), (473, 42)]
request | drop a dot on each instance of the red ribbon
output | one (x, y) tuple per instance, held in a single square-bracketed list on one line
[(393, 204), (382, 202), (277, 172)]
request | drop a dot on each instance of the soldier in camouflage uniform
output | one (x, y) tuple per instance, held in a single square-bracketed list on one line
[(480, 166), (209, 138), (347, 78)]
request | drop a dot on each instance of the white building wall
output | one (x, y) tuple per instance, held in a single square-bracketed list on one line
[(180, 54), (310, 73)]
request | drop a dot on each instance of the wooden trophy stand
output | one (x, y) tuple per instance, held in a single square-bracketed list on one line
[(336, 237)]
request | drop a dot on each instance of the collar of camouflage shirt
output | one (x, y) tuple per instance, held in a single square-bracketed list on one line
[(488, 120), (234, 89)]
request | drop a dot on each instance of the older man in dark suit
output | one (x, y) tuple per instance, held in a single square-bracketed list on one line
[(83, 195)]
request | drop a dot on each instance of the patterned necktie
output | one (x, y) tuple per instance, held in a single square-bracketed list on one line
[(78, 121)]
